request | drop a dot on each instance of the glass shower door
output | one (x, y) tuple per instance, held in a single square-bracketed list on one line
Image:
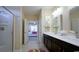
[(6, 21)]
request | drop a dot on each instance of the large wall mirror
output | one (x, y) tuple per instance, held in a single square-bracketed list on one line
[(74, 20), (57, 20), (57, 24)]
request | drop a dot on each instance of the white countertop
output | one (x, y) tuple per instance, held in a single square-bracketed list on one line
[(69, 39)]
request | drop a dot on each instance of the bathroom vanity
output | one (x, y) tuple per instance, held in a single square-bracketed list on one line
[(58, 43)]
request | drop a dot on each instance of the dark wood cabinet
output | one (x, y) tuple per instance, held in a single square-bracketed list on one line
[(47, 42), (56, 45)]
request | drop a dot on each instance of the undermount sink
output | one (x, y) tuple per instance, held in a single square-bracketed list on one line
[(67, 36)]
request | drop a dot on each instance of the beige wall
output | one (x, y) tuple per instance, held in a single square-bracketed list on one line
[(31, 17), (18, 32), (66, 18), (74, 17), (66, 21), (17, 26)]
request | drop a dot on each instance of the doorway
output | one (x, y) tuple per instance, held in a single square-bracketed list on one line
[(33, 30), (30, 30)]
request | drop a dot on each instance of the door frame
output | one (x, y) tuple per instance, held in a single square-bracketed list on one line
[(26, 23), (25, 31)]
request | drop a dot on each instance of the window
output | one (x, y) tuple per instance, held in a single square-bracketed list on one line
[(33, 28)]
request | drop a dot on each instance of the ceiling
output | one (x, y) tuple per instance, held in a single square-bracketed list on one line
[(27, 10), (14, 9), (33, 10)]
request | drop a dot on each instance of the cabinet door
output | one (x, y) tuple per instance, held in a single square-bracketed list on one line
[(45, 40), (56, 47), (49, 44), (70, 48), (52, 44)]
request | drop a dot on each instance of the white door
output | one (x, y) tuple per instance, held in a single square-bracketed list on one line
[(6, 21)]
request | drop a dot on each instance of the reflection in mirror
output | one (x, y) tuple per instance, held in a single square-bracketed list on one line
[(57, 24), (57, 20), (74, 19)]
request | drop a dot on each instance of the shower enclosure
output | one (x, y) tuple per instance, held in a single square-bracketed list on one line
[(6, 25)]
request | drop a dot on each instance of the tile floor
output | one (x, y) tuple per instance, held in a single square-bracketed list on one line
[(33, 43)]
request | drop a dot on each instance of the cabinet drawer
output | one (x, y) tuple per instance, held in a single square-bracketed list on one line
[(70, 48)]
